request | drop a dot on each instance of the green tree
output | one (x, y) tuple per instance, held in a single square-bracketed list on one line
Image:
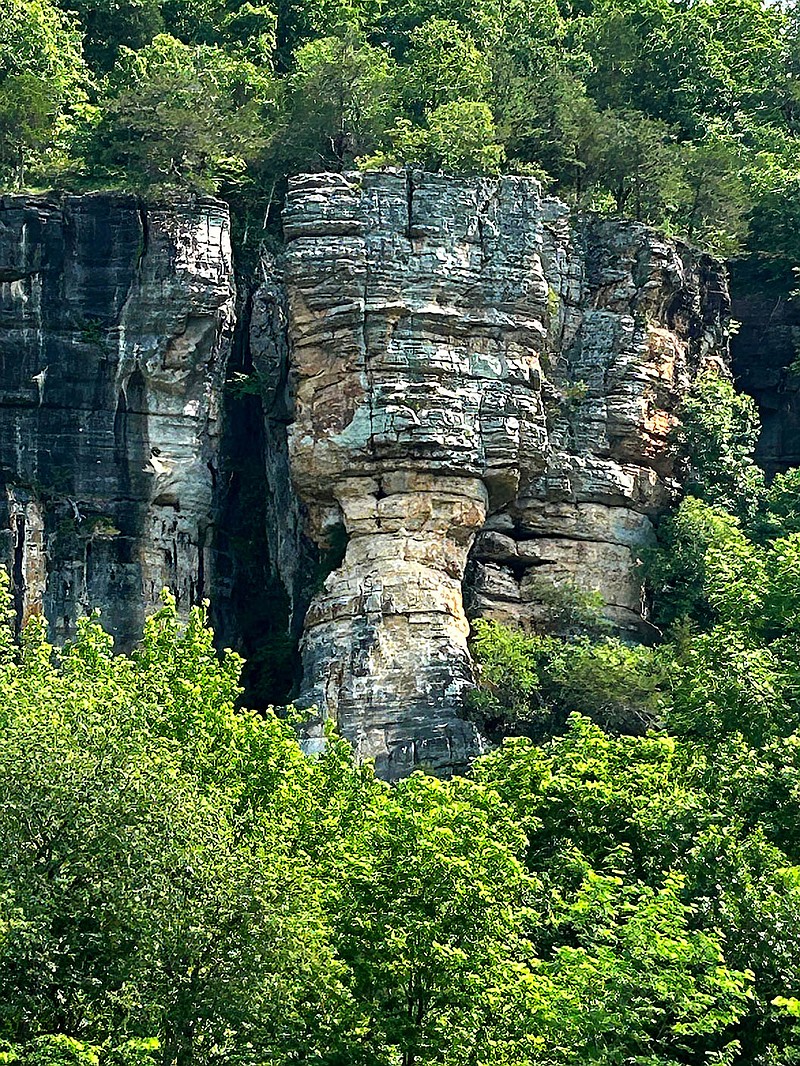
[(108, 26), (249, 27), (717, 433), (675, 570), (774, 186), (545, 118), (459, 138), (683, 62), (636, 162), (175, 116), (714, 202), (151, 890), (342, 96), (607, 822), (430, 916), (780, 507), (462, 138), (443, 64), (531, 683), (303, 21), (43, 84)]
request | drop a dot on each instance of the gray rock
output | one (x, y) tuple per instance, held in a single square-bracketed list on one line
[(464, 388), (474, 374), (115, 323), (764, 356)]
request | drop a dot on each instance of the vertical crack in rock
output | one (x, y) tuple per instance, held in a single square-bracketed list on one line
[(145, 236), (410, 206), (264, 564), (18, 568)]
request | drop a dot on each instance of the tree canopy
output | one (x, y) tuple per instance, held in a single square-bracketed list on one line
[(180, 883), (677, 113)]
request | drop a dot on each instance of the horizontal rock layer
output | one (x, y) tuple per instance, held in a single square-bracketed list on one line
[(465, 399)]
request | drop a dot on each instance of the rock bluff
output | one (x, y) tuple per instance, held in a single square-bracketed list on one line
[(115, 327), (467, 396), (482, 386)]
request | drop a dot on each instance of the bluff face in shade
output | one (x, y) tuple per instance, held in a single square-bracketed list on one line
[(466, 390), (115, 325), (764, 350)]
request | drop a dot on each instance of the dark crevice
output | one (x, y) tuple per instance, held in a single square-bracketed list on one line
[(88, 563), (763, 352), (144, 223), (250, 606), (201, 569), (18, 571)]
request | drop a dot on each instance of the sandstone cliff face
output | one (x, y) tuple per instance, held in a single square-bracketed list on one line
[(115, 322), (475, 377), (465, 398), (638, 317)]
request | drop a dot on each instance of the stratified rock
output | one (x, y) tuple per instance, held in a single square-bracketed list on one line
[(115, 324), (448, 377), (466, 359), (627, 340)]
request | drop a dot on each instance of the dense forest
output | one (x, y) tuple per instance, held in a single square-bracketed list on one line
[(618, 881), (682, 113)]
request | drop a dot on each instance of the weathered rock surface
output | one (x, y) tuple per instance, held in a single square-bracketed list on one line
[(115, 324), (475, 376), (464, 398)]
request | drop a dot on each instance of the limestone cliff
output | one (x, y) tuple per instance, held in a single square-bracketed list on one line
[(115, 323), (457, 398), (475, 376)]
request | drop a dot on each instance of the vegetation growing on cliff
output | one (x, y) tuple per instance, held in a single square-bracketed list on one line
[(720, 697), (679, 113)]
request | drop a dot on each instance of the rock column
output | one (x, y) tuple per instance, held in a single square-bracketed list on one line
[(416, 323)]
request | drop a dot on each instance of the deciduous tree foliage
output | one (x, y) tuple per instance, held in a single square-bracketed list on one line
[(177, 116), (673, 112), (180, 884), (43, 83)]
